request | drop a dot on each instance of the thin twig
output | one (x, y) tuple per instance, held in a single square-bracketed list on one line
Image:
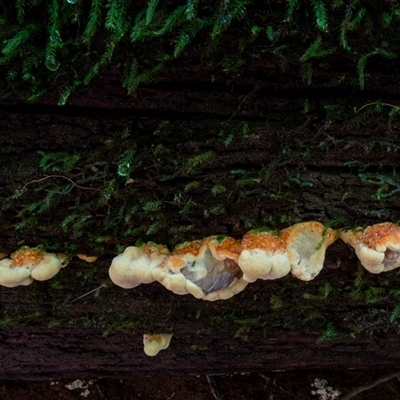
[(86, 294), (213, 387), (240, 104), (370, 385), (280, 387), (374, 103), (56, 176), (100, 392)]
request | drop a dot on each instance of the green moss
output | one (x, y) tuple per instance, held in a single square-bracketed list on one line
[(75, 42)]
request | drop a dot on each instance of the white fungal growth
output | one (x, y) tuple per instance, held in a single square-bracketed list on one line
[(12, 277), (153, 344), (306, 244), (27, 264), (263, 256), (206, 269), (136, 265), (209, 273), (80, 384), (323, 391), (377, 246)]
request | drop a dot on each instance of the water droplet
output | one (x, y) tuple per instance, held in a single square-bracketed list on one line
[(123, 169), (51, 63)]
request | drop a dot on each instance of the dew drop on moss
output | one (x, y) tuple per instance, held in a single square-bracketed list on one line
[(52, 64), (124, 169)]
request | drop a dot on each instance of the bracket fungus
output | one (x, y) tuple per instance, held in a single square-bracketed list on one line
[(263, 256), (377, 246), (86, 258), (153, 344), (306, 244), (207, 269), (27, 264), (137, 264)]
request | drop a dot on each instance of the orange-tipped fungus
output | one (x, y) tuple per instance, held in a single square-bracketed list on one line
[(306, 244), (88, 259), (153, 344), (263, 256), (207, 269), (377, 246), (27, 264)]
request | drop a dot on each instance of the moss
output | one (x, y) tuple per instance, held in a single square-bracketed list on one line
[(75, 42)]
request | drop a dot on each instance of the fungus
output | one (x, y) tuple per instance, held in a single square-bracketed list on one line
[(207, 269), (49, 266), (306, 244), (136, 264), (88, 259), (27, 264), (377, 246), (263, 256), (154, 343), (14, 276)]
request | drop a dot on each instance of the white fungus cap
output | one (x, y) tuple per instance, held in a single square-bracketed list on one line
[(47, 268), (228, 281), (29, 263), (12, 277), (260, 264), (236, 287), (153, 344), (136, 264), (206, 269), (263, 256), (185, 258), (377, 246), (306, 244)]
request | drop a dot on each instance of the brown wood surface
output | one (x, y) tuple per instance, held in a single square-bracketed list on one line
[(320, 163)]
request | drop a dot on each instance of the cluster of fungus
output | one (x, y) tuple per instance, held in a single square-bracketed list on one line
[(377, 246), (206, 269), (28, 264), (33, 263), (218, 267), (136, 265)]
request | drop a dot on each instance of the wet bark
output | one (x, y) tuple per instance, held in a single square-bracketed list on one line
[(279, 152)]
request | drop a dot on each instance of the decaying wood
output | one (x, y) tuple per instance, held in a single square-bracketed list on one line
[(50, 330)]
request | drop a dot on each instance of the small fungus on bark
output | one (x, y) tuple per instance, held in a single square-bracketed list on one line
[(306, 244), (27, 264), (153, 344), (88, 259), (137, 264), (377, 246), (263, 256), (207, 269)]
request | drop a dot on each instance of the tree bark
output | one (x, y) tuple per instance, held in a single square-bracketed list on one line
[(182, 160)]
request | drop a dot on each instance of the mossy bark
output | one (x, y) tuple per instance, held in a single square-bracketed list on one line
[(185, 159)]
